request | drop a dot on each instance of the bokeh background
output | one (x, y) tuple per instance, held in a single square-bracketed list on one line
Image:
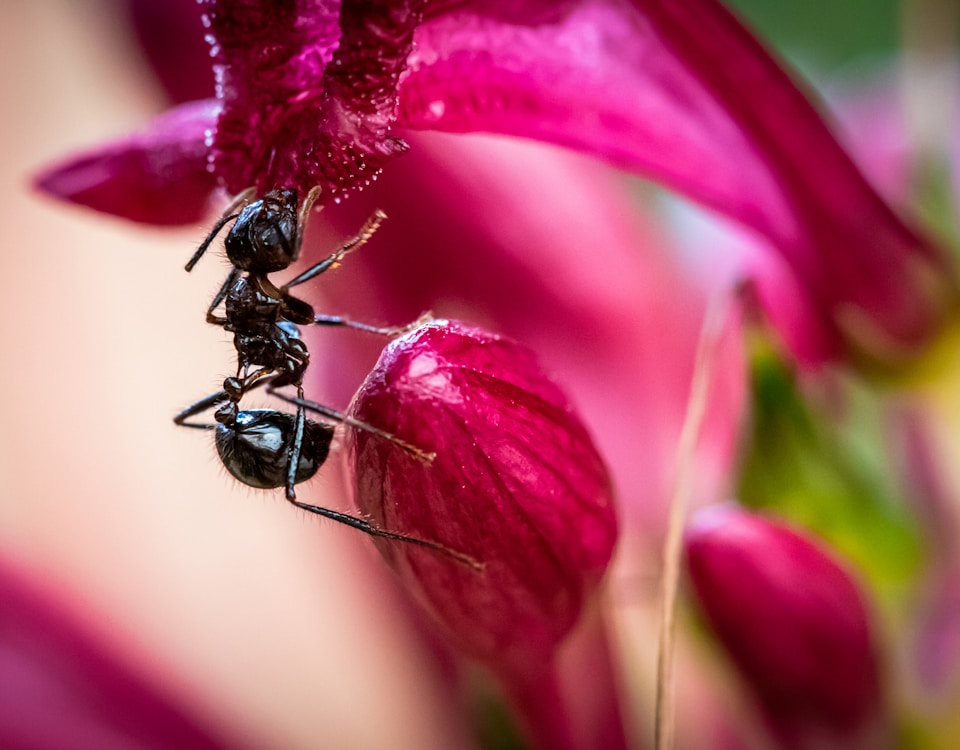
[(264, 623)]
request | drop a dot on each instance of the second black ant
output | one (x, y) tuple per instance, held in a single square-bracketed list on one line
[(267, 448)]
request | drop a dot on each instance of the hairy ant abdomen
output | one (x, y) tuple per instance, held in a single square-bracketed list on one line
[(255, 447)]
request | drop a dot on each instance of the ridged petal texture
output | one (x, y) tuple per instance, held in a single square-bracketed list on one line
[(516, 484), (677, 90)]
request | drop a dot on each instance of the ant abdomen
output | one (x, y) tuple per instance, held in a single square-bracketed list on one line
[(255, 447)]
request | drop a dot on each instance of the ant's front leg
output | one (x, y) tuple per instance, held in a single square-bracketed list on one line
[(365, 233)]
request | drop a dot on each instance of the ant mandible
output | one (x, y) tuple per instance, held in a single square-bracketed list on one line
[(267, 448)]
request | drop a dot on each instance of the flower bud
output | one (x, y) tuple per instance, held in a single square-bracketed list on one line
[(794, 623), (516, 484)]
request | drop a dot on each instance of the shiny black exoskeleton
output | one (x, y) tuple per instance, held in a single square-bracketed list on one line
[(267, 448), (250, 442)]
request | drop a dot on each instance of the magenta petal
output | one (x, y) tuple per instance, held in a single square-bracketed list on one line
[(516, 484), (308, 90), (678, 90), (169, 33), (59, 689), (795, 624), (157, 176)]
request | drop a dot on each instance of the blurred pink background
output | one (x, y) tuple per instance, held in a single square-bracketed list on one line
[(267, 624)]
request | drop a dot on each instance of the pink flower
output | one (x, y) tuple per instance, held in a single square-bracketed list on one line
[(795, 624), (317, 93), (667, 88)]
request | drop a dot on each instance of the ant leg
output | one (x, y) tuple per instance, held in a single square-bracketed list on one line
[(352, 521), (390, 331), (366, 232), (220, 295), (293, 457), (253, 380), (367, 528), (229, 215), (336, 416), (248, 384), (198, 408)]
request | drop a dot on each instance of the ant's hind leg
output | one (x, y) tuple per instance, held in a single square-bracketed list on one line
[(336, 416), (352, 521), (296, 446), (237, 389), (368, 528), (204, 404)]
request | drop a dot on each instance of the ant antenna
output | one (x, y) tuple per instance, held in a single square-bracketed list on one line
[(229, 214)]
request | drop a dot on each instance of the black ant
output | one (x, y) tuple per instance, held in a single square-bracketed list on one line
[(266, 448)]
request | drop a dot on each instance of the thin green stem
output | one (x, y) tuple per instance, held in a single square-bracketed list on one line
[(718, 313)]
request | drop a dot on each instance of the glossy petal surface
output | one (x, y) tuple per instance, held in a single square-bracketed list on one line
[(679, 91), (516, 484), (579, 272)]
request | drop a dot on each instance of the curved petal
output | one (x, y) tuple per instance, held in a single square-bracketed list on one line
[(681, 92), (157, 176), (516, 484)]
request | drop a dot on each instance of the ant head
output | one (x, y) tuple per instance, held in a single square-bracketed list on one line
[(264, 238), (255, 447)]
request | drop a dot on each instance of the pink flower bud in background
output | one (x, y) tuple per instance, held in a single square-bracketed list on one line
[(516, 484), (796, 626)]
